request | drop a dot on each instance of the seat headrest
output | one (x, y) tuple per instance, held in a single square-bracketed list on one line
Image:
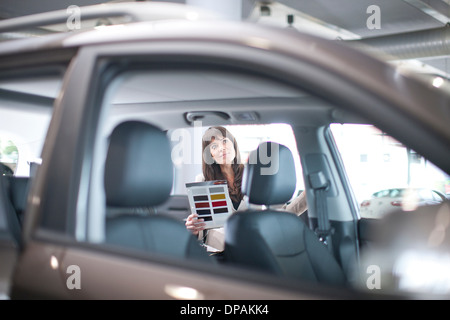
[(138, 168), (269, 177)]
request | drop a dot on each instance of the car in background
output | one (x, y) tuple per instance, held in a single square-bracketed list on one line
[(386, 201), (172, 74)]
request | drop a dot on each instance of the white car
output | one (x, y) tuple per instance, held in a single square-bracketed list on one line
[(389, 200)]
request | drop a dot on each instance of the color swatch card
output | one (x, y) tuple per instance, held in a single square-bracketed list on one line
[(211, 201)]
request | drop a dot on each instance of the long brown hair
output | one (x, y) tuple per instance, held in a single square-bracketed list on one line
[(211, 170)]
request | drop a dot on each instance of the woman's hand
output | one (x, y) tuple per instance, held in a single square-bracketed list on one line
[(194, 223)]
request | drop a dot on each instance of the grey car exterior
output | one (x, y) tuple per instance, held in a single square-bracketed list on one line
[(358, 83)]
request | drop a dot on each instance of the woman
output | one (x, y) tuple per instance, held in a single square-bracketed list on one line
[(221, 160)]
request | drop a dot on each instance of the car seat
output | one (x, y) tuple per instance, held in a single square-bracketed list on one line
[(139, 173), (276, 241)]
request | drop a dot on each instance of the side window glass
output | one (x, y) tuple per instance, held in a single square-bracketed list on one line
[(167, 102), (26, 106), (8, 157), (384, 174)]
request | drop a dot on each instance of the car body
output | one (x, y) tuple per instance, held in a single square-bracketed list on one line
[(385, 201), (76, 87)]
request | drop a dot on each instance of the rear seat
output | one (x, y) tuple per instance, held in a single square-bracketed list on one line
[(18, 194), (13, 195), (144, 181)]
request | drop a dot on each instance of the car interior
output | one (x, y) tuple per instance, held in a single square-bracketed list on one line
[(148, 146)]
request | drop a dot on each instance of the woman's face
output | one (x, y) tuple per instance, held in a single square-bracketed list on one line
[(222, 150)]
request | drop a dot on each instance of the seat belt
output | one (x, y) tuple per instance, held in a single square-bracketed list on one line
[(320, 185)]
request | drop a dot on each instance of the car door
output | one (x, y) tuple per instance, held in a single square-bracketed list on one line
[(28, 90), (63, 231), (62, 237), (378, 164)]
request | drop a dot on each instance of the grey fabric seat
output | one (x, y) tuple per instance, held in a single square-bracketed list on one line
[(273, 241), (138, 173)]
